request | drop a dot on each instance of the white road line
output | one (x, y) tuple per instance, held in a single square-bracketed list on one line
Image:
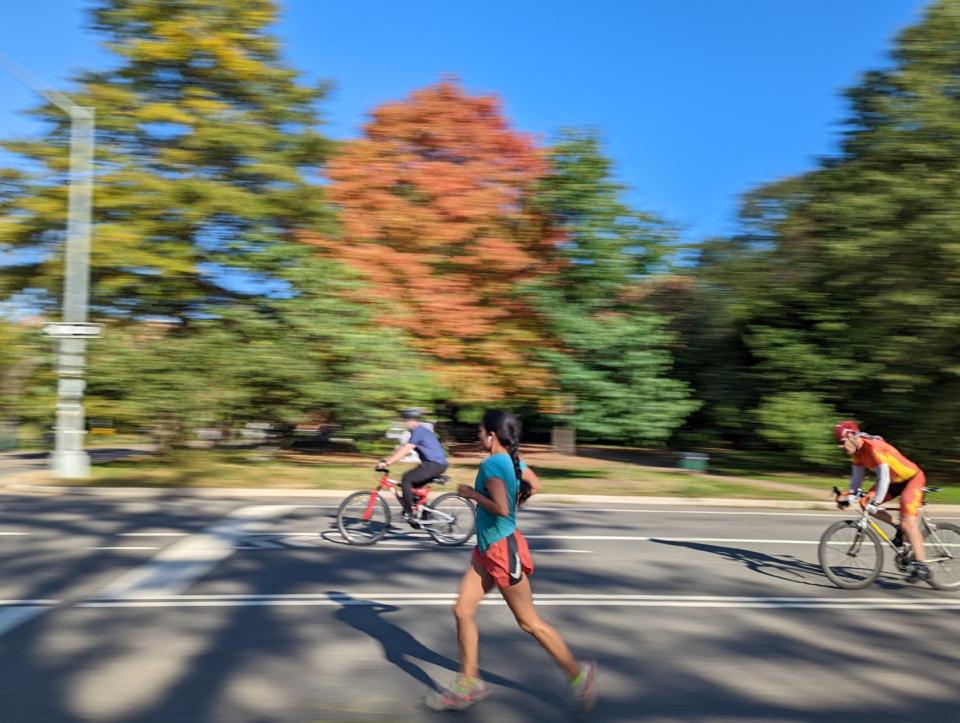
[(656, 538), (14, 534), (627, 508), (125, 547), (445, 599), (541, 551), (15, 616), (744, 540), (174, 569), (413, 546), (329, 507), (616, 597), (154, 534), (29, 602)]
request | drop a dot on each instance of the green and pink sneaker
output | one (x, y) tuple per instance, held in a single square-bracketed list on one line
[(583, 688), (464, 693)]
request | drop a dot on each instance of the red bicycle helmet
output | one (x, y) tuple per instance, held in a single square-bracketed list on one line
[(844, 429)]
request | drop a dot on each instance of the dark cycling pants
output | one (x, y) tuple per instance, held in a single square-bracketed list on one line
[(418, 477)]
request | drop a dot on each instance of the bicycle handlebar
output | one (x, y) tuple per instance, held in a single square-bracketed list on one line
[(856, 495), (851, 497)]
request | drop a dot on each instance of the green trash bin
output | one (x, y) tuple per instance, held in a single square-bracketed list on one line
[(694, 461), (9, 437)]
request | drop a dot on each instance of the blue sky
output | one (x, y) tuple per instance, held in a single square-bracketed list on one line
[(698, 100)]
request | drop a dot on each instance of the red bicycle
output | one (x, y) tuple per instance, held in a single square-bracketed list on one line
[(364, 517)]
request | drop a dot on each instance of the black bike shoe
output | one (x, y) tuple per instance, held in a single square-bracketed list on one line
[(412, 519), (919, 571)]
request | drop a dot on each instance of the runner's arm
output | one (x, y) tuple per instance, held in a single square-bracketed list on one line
[(531, 478), (496, 503)]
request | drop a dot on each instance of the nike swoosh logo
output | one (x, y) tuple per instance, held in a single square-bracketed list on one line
[(519, 568)]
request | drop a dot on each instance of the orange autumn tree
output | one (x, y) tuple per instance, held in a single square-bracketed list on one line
[(434, 209)]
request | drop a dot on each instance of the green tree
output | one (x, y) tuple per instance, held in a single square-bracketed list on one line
[(612, 359), (842, 286), (205, 143), (25, 379), (208, 151), (281, 360)]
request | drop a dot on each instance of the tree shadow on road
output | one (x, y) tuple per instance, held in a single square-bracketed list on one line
[(782, 567), (399, 647)]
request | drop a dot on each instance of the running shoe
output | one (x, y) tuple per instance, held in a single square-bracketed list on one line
[(919, 571), (583, 688), (459, 696)]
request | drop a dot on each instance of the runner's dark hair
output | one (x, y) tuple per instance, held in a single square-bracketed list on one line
[(507, 428)]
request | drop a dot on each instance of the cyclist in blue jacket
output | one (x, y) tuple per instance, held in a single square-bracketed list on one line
[(433, 461)]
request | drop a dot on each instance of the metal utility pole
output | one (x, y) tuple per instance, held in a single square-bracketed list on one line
[(69, 460)]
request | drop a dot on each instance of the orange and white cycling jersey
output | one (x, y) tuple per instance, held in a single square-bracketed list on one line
[(876, 452)]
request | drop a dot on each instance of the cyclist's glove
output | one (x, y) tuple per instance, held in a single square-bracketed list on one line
[(381, 466)]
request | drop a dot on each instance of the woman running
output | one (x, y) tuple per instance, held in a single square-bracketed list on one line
[(502, 558)]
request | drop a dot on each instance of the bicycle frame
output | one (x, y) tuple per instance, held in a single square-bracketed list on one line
[(924, 522), (385, 483), (866, 520)]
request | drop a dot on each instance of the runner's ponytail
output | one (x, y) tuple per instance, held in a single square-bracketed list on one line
[(507, 428)]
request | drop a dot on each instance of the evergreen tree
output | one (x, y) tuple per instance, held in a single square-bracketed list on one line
[(843, 286), (205, 140), (207, 152), (611, 358)]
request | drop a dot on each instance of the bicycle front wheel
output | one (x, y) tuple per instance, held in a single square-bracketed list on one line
[(943, 555), (851, 558), (363, 518), (450, 520)]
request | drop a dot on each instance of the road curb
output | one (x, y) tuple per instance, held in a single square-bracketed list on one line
[(557, 499)]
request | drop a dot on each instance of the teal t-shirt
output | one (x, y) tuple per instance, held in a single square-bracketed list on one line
[(491, 528)]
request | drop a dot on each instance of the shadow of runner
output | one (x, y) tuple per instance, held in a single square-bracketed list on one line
[(784, 567), (399, 647)]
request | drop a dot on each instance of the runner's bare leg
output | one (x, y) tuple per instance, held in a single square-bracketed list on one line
[(520, 599), (475, 583)]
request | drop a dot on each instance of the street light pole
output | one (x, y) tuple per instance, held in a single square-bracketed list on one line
[(69, 460)]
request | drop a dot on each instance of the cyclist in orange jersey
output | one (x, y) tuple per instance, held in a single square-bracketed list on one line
[(897, 476)]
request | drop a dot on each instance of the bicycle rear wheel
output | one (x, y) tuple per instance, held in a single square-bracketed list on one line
[(450, 520), (943, 555), (851, 558), (363, 518)]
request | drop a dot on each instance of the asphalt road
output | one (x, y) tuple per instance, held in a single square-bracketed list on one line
[(186, 609)]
